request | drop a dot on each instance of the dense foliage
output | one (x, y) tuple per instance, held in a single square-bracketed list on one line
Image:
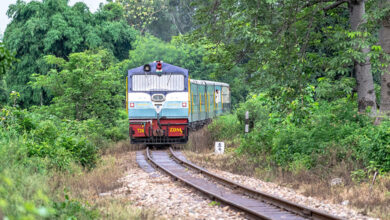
[(86, 86), (307, 133), (314, 70), (52, 27), (6, 59), (148, 49), (33, 145), (273, 47), (309, 72), (84, 118), (161, 18)]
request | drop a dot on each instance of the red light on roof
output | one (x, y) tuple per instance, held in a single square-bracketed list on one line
[(159, 66)]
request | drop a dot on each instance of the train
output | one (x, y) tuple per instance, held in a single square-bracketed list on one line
[(164, 103)]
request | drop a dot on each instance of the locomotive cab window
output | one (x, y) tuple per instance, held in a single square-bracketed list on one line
[(166, 82)]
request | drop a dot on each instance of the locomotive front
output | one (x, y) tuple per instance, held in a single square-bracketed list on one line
[(157, 103)]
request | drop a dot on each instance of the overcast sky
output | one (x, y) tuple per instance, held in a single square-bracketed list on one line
[(93, 5)]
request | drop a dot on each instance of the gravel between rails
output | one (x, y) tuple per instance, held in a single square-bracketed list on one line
[(169, 199), (291, 195)]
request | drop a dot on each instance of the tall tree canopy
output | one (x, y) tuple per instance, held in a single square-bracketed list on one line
[(87, 86), (327, 43), (148, 49), (52, 27), (384, 40), (161, 18), (6, 59)]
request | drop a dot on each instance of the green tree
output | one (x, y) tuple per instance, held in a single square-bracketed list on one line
[(384, 40), (362, 66), (140, 14), (6, 60), (149, 49), (161, 18), (87, 86), (292, 44), (52, 27)]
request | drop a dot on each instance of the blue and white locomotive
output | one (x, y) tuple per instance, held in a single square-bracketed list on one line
[(163, 103)]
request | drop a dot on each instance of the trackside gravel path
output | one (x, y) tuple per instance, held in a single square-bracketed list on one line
[(173, 200)]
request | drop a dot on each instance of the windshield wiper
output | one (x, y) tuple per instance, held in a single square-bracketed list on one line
[(169, 78)]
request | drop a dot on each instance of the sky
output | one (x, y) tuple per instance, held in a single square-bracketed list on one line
[(93, 5)]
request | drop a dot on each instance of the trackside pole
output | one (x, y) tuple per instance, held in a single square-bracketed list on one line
[(247, 122)]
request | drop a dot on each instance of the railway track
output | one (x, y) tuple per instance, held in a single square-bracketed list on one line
[(256, 204)]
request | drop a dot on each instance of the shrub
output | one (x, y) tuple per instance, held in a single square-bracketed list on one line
[(26, 159), (16, 205), (46, 136), (375, 146), (225, 127), (73, 209), (303, 133)]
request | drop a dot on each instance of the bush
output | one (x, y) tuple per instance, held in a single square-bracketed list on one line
[(46, 136), (225, 127), (375, 146), (23, 186), (73, 209), (15, 204), (32, 144), (303, 133)]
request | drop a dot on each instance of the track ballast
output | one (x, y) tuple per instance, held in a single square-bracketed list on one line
[(254, 203)]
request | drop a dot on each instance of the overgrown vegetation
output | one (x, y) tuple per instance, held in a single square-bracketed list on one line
[(306, 133), (67, 136), (313, 75), (36, 143), (51, 164), (52, 27), (317, 80)]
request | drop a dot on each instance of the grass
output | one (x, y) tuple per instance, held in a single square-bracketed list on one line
[(214, 203), (370, 199), (86, 185), (121, 208), (200, 141)]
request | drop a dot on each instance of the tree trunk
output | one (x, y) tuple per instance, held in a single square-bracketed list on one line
[(384, 40), (41, 97), (364, 79)]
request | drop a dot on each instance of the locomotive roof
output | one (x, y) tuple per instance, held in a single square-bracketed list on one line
[(166, 67), (202, 82), (169, 68)]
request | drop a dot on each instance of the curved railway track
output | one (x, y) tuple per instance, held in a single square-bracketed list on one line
[(254, 203)]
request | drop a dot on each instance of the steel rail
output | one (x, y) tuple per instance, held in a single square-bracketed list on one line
[(274, 200), (212, 195)]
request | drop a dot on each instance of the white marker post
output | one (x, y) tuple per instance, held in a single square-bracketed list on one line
[(219, 147), (247, 122)]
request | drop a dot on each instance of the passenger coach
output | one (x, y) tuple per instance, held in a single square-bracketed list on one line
[(163, 103)]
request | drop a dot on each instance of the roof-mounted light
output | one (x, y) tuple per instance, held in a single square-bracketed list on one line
[(147, 68), (159, 66)]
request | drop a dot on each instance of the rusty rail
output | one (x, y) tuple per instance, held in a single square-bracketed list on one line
[(279, 202), (212, 195), (266, 198)]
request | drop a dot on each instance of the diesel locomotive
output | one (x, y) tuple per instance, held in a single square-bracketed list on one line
[(164, 104)]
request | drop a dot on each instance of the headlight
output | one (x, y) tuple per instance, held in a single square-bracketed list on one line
[(158, 97)]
